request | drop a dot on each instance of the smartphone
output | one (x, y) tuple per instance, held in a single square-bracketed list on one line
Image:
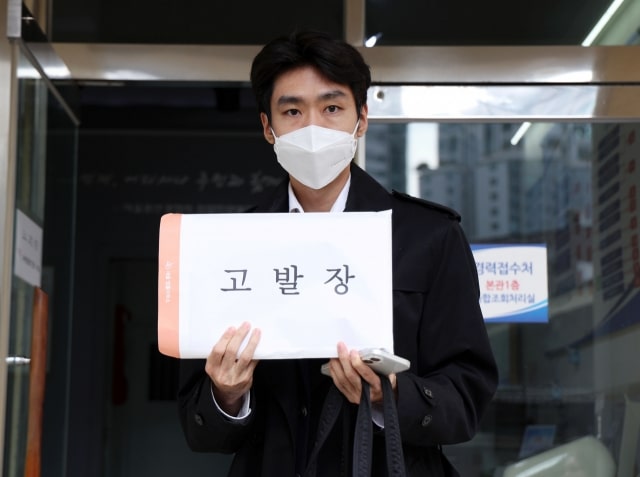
[(380, 360)]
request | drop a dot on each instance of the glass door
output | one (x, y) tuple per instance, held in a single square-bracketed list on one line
[(42, 259), (568, 400)]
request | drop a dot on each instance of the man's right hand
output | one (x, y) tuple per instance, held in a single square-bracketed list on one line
[(230, 372)]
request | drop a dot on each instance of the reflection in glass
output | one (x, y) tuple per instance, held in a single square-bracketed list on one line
[(573, 187)]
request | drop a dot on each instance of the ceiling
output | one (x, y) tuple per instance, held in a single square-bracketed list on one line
[(149, 34), (489, 22), (404, 22)]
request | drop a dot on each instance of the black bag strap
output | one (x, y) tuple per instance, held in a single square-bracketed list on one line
[(331, 408), (363, 436), (393, 439), (363, 440)]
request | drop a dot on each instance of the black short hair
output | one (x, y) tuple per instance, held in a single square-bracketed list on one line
[(335, 59)]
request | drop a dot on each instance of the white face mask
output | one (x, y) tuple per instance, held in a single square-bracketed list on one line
[(315, 155)]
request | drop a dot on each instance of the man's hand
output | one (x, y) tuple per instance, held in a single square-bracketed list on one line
[(230, 372), (348, 370)]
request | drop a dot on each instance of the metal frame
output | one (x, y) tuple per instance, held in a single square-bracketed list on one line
[(414, 83), (451, 65), (8, 107)]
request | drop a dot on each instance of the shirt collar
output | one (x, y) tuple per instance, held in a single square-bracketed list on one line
[(338, 206)]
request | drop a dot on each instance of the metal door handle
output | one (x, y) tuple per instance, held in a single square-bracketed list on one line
[(17, 360)]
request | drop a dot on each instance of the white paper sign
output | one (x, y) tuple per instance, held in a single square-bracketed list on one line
[(306, 280), (28, 250)]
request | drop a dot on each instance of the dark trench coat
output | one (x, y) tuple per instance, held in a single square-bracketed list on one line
[(438, 326)]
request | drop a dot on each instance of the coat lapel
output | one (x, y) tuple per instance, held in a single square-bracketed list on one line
[(365, 194)]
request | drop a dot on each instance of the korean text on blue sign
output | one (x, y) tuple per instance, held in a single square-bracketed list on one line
[(513, 282)]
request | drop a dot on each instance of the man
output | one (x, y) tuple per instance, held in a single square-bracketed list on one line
[(312, 90)]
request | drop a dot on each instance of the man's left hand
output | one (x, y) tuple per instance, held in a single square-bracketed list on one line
[(348, 371)]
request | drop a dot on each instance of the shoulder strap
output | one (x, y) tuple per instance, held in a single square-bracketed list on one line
[(363, 440), (331, 409), (393, 440), (363, 437)]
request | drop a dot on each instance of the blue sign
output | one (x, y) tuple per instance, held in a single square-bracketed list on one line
[(513, 282)]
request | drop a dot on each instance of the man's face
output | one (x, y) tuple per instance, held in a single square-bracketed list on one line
[(302, 97)]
